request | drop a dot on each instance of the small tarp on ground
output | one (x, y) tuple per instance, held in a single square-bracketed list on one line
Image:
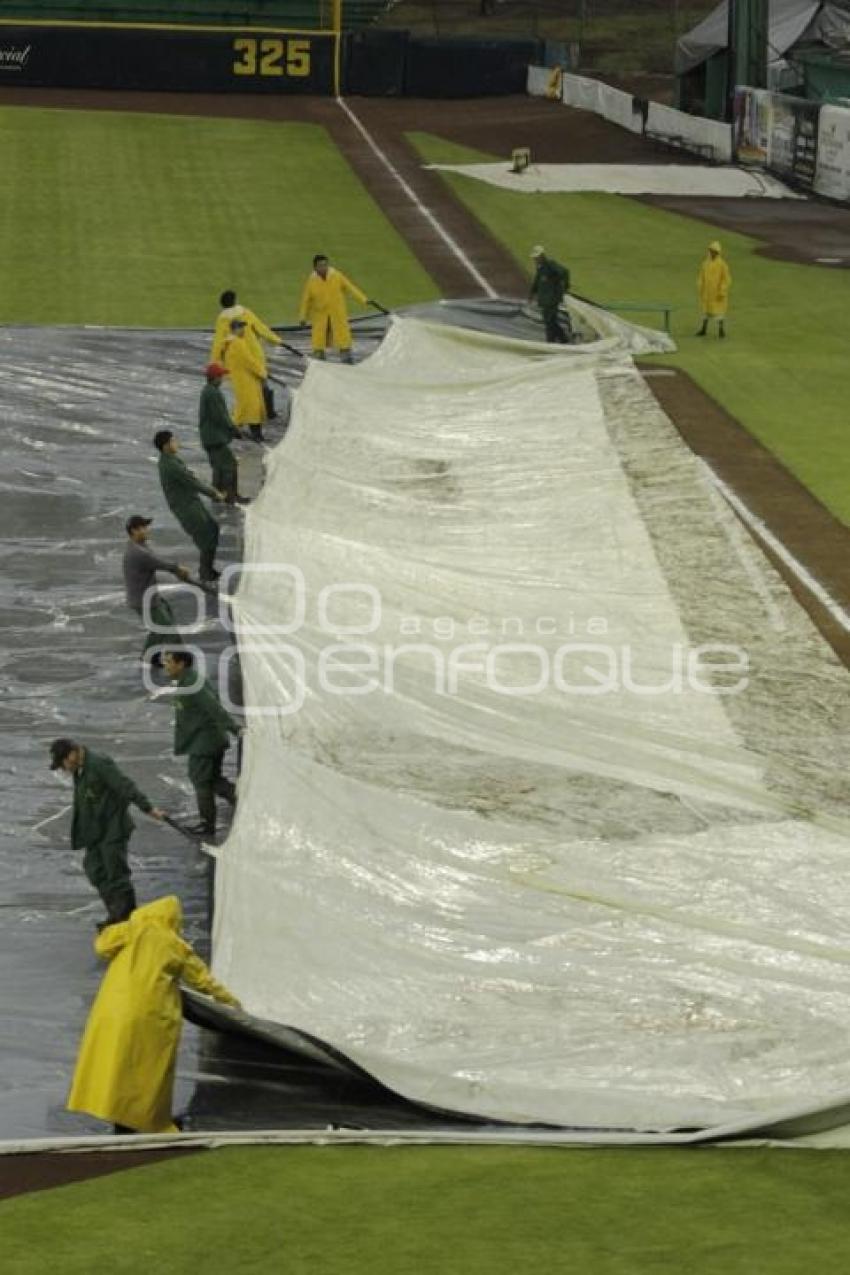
[(543, 809), (629, 179)]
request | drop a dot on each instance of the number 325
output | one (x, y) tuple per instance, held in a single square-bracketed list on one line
[(272, 57)]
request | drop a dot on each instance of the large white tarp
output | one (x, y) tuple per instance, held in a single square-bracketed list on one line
[(542, 807)]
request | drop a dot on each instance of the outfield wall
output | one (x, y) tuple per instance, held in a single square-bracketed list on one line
[(803, 142), (709, 139), (227, 59)]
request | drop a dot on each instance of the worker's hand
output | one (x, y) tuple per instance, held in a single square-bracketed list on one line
[(184, 573), (156, 813), (302, 323), (221, 496), (234, 1003)]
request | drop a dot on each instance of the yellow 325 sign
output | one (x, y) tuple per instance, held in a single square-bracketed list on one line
[(271, 56)]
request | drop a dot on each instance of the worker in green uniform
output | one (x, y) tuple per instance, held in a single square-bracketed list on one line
[(551, 281), (217, 431), (101, 823), (140, 567), (201, 729), (183, 491)]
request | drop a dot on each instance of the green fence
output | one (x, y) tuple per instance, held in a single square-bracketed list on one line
[(237, 13)]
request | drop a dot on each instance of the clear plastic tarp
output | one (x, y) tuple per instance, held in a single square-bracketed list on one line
[(542, 811)]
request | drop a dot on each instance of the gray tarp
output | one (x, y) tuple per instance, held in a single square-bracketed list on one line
[(789, 21)]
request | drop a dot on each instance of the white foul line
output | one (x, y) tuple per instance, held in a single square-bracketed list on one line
[(801, 573), (450, 243)]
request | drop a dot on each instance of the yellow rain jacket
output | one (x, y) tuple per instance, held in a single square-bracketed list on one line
[(255, 333), (713, 283), (323, 305), (125, 1067), (247, 374)]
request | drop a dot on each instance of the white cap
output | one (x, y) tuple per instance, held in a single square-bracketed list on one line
[(538, 251)]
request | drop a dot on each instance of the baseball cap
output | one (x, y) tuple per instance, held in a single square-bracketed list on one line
[(59, 750), (537, 251), (215, 369), (137, 521)]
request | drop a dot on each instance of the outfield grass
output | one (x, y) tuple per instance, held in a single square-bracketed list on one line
[(452, 1211), (135, 219), (783, 370)]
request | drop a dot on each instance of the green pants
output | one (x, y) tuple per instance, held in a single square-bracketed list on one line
[(168, 633), (208, 782), (203, 529), (105, 864), (223, 464)]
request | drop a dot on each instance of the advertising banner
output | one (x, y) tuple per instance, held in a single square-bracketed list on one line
[(752, 125), (196, 59), (793, 143), (832, 178)]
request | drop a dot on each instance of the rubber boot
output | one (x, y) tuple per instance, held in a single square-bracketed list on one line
[(257, 433), (317, 354), (704, 328), (345, 356), (722, 332)]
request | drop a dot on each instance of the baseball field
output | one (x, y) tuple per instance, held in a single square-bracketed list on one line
[(136, 212)]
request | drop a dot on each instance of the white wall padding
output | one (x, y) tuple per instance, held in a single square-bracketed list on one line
[(692, 128)]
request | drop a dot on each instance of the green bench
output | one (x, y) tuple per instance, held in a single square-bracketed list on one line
[(641, 307)]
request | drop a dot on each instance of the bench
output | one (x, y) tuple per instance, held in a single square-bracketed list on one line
[(705, 150), (641, 307)]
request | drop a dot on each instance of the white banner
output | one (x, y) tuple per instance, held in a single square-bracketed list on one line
[(582, 93), (537, 82), (832, 176), (619, 108), (692, 128)]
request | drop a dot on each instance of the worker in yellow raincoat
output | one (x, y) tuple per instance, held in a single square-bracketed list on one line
[(125, 1067), (247, 379), (256, 332), (323, 305), (713, 283)]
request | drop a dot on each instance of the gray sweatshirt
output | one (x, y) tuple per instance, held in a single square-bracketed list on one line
[(140, 567)]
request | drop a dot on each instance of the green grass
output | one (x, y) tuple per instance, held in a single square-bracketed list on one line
[(783, 370), (452, 1211), (144, 219)]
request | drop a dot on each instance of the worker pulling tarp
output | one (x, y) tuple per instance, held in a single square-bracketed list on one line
[(541, 811)]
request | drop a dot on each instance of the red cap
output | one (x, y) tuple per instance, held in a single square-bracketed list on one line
[(216, 369)]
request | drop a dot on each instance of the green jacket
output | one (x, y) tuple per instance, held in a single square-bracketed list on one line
[(551, 281), (182, 491), (217, 429), (201, 724), (102, 795)]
